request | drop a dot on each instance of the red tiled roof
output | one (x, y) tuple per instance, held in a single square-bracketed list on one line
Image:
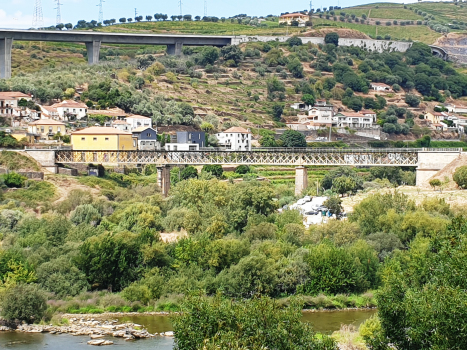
[(46, 122), (237, 129), (137, 117), (12, 94), (69, 104), (98, 130), (296, 14)]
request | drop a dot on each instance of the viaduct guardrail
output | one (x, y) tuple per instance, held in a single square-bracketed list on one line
[(261, 156), (174, 42)]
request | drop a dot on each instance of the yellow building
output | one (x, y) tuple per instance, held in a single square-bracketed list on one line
[(46, 129), (98, 138), (297, 17), (434, 118)]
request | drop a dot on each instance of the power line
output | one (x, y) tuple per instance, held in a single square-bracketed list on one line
[(59, 16), (38, 20), (101, 12)]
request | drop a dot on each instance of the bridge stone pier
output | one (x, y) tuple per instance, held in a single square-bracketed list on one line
[(93, 49), (6, 44), (429, 163), (301, 179)]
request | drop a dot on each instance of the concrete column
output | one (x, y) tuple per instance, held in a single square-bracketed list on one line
[(93, 49), (163, 179), (301, 179), (6, 45), (175, 49)]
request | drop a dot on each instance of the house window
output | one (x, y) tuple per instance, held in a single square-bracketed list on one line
[(94, 138), (59, 129), (83, 139), (42, 129), (107, 139), (134, 143), (175, 148), (74, 110), (189, 136)]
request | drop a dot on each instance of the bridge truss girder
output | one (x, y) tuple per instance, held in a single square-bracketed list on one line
[(294, 158)]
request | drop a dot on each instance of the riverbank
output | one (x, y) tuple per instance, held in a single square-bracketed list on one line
[(95, 329)]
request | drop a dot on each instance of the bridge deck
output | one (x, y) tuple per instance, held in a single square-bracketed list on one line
[(295, 157)]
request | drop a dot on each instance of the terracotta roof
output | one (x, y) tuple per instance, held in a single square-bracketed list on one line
[(98, 130), (46, 122), (367, 111), (380, 84), (137, 117), (437, 124), (237, 129), (50, 109), (69, 104), (10, 94), (141, 129), (294, 14)]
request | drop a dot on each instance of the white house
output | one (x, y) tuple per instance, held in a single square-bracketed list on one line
[(369, 113), (69, 108), (456, 108), (181, 147), (49, 112), (137, 121), (10, 99), (292, 17), (380, 87), (353, 120), (301, 106), (122, 125), (235, 139)]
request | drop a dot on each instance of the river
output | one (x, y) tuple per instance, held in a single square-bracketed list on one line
[(324, 322)]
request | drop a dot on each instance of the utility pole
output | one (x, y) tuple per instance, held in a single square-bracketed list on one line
[(37, 20), (310, 6), (101, 12), (136, 13), (205, 8), (59, 17), (180, 5)]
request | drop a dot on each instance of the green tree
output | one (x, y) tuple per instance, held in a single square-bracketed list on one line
[(332, 38), (242, 169), (215, 169), (293, 138), (334, 204), (308, 99), (13, 179), (423, 298), (209, 55), (343, 185), (294, 41), (257, 323), (276, 111), (435, 183), (189, 172), (460, 176), (412, 100), (24, 302), (295, 67)]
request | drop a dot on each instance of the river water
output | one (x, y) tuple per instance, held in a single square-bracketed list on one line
[(324, 322)]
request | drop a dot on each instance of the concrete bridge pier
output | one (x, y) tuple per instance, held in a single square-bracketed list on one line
[(175, 49), (301, 179), (430, 162), (6, 44), (93, 48), (163, 179)]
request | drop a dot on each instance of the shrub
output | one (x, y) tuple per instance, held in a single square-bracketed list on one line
[(332, 38), (460, 177), (189, 172), (24, 302), (13, 180), (242, 169), (294, 41), (258, 323), (85, 213), (216, 170)]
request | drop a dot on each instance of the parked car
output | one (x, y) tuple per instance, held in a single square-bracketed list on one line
[(312, 212)]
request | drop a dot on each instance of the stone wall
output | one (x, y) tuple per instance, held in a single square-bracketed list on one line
[(370, 44), (31, 175), (68, 171)]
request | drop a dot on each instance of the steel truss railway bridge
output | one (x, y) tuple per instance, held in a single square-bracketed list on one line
[(428, 161)]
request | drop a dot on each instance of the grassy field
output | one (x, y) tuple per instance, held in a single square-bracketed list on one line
[(384, 11), (418, 33), (443, 11), (195, 27)]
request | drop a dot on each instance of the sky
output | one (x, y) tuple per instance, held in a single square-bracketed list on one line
[(19, 13)]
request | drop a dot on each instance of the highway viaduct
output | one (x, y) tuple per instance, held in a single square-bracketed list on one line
[(93, 41), (428, 161)]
